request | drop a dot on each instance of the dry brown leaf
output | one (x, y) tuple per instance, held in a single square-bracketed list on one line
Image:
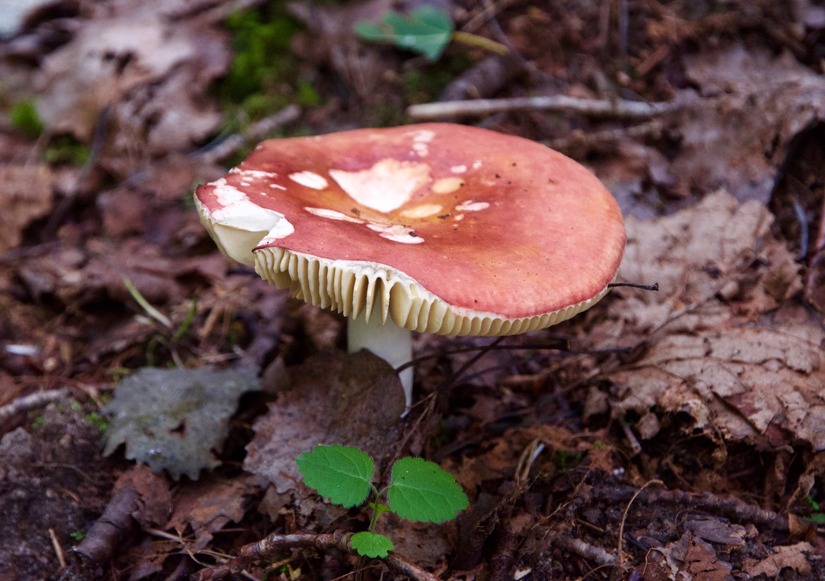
[(753, 105), (335, 398), (761, 382), (208, 505), (689, 558), (152, 73), (791, 556), (25, 195)]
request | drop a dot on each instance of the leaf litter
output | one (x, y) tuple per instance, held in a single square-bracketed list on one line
[(718, 376), (714, 351)]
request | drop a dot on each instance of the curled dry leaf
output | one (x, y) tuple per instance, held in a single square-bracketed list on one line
[(762, 382)]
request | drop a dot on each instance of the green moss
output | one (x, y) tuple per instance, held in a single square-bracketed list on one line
[(26, 119), (65, 149), (264, 75)]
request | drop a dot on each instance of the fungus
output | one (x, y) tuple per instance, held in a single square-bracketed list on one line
[(435, 228)]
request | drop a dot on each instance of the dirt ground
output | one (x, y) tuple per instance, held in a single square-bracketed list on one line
[(670, 434)]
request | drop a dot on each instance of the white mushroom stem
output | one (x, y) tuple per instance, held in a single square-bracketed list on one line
[(391, 343)]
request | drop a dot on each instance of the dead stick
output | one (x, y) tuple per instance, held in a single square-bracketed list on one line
[(585, 550), (29, 402), (255, 132), (271, 546), (619, 109)]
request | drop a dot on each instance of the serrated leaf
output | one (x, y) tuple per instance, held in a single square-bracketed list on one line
[(340, 473), (425, 30), (369, 544), (421, 491)]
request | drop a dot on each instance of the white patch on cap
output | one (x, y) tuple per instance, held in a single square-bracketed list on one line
[(245, 215), (471, 206), (309, 179), (386, 186), (421, 211), (277, 186), (333, 215), (458, 169), (255, 174), (282, 229), (477, 164), (420, 142), (396, 233), (458, 217), (227, 195), (447, 185)]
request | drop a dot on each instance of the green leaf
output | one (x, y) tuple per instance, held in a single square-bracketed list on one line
[(369, 544), (340, 473), (425, 30), (421, 491)]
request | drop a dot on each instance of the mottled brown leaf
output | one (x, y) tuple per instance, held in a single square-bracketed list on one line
[(25, 195), (758, 381)]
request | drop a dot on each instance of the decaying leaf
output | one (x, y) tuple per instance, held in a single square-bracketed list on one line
[(753, 105), (791, 557), (173, 419), (692, 558), (209, 505), (334, 398), (25, 195), (746, 380), (123, 63)]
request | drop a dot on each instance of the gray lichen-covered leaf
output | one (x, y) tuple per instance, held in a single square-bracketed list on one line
[(173, 419)]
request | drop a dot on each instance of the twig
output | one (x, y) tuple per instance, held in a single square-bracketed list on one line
[(619, 108), (268, 548), (29, 402), (648, 287), (585, 550), (731, 508), (58, 549), (112, 526), (214, 152), (624, 518), (606, 139)]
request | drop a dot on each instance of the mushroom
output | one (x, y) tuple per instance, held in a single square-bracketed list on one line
[(436, 228)]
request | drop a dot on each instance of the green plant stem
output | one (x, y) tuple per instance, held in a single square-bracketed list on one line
[(470, 39)]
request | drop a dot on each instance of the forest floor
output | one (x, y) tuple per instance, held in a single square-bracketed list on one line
[(677, 434)]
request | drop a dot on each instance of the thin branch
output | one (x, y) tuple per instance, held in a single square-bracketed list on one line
[(270, 547), (600, 108), (585, 550), (30, 402), (624, 518), (214, 152)]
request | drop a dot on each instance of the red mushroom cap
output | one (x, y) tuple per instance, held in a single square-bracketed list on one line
[(445, 228)]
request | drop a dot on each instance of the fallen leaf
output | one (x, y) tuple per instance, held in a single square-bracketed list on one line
[(717, 531), (121, 63), (173, 419), (335, 398), (785, 557), (208, 505), (753, 105), (690, 558), (25, 195), (757, 382)]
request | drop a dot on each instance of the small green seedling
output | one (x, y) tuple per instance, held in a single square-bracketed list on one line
[(419, 491), (425, 30)]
